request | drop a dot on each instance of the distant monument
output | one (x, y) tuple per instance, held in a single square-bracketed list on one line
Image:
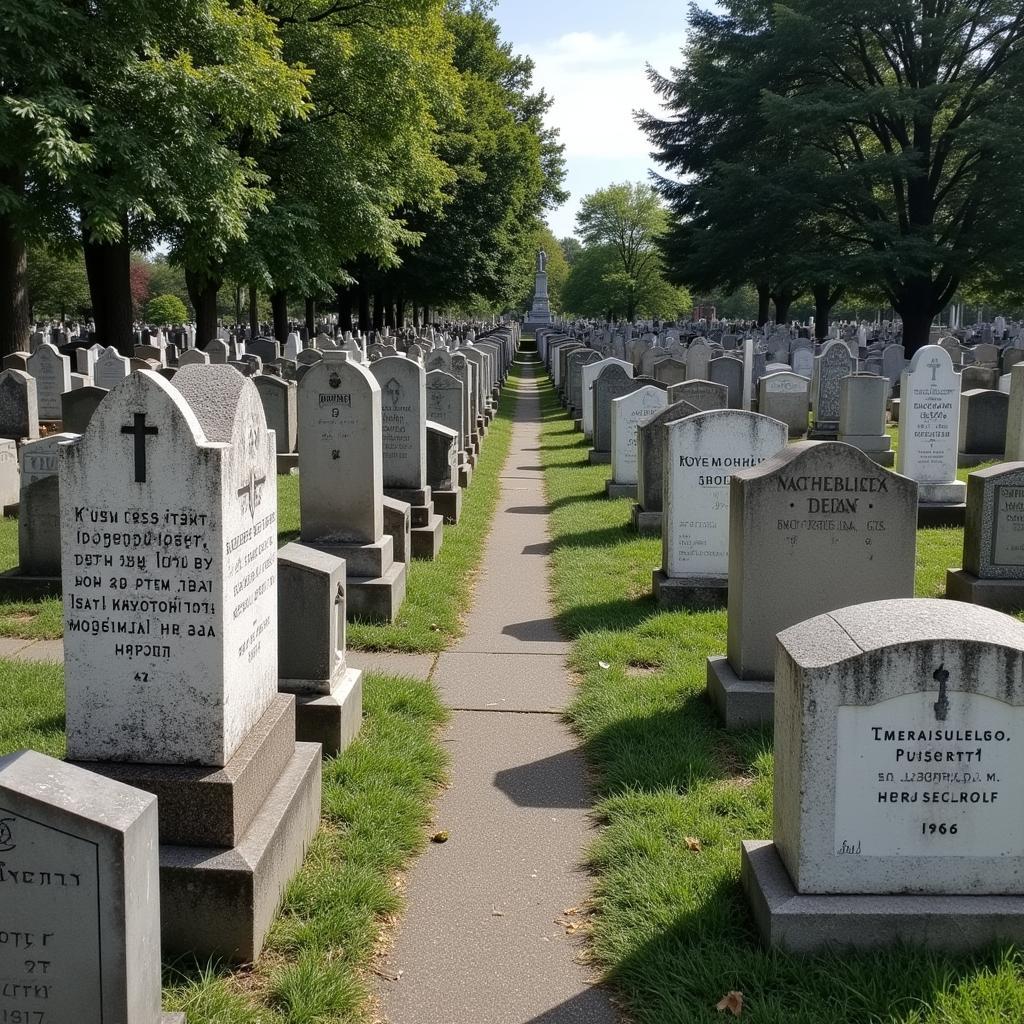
[(540, 312)]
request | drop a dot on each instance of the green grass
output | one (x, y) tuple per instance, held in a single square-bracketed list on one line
[(437, 595), (671, 930), (376, 802)]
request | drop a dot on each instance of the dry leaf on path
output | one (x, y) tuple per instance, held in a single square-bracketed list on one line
[(692, 843), (439, 837), (605, 664), (731, 1001)]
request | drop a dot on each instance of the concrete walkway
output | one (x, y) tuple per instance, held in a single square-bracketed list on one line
[(485, 938)]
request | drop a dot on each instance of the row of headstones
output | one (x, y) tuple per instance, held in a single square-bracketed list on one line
[(893, 716), (205, 675)]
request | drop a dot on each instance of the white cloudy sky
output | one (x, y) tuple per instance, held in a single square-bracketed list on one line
[(590, 57)]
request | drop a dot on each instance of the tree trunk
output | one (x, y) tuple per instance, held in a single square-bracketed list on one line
[(108, 268), (254, 311), (238, 304), (390, 319), (378, 312), (15, 312), (365, 323), (822, 310), (344, 297), (400, 311), (416, 316), (915, 305), (202, 291), (279, 307), (311, 317), (764, 298), (783, 299)]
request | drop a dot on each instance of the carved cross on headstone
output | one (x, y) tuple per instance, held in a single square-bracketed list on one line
[(140, 432), (251, 493), (935, 365), (941, 706)]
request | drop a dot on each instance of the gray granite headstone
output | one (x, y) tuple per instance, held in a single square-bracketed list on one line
[(19, 411)]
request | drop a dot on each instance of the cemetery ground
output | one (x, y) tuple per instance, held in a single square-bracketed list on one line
[(670, 926)]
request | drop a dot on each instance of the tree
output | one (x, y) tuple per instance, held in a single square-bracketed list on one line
[(626, 222), (571, 248), (165, 309), (56, 282)]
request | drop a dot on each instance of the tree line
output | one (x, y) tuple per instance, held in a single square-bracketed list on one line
[(843, 147), (383, 156)]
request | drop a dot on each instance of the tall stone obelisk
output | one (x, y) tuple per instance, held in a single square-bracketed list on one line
[(540, 312)]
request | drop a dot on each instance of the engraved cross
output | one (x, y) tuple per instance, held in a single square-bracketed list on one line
[(140, 432), (935, 365)]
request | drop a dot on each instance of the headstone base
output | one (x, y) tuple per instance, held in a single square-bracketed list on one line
[(18, 586), (577, 426), (363, 560), (938, 514), (427, 539), (203, 806), (966, 460), (597, 458), (448, 505), (333, 720), (613, 490), (812, 923), (418, 497), (287, 462), (217, 903), (377, 599), (1002, 595), (954, 493), (823, 432), (465, 475), (740, 703), (887, 459), (646, 523), (688, 592)]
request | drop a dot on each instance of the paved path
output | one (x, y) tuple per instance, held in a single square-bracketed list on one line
[(483, 940)]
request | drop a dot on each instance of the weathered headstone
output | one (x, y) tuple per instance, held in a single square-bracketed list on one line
[(704, 394), (169, 529), (78, 406), (111, 368), (52, 373), (19, 411), (818, 527), (834, 363), (785, 396), (81, 908), (701, 454), (862, 404), (899, 806), (280, 406), (629, 413), (930, 429), (983, 418), (590, 374)]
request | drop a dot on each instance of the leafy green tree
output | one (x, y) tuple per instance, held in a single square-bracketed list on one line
[(623, 225), (57, 286), (165, 309), (571, 248)]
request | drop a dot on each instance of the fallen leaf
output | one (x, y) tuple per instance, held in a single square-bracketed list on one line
[(569, 911), (497, 913), (439, 837), (731, 1001), (692, 843), (605, 664)]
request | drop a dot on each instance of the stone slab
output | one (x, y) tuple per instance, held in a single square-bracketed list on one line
[(363, 561), (200, 806), (16, 586), (416, 666), (646, 523), (1003, 595), (221, 903), (42, 651), (448, 505), (930, 514), (597, 458), (614, 491), (814, 923), (741, 703), (378, 599), (681, 592), (428, 539), (333, 720)]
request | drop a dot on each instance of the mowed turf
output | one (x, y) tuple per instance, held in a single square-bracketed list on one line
[(437, 595), (376, 802), (671, 930)]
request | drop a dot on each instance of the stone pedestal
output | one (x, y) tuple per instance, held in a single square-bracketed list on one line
[(646, 523), (688, 592), (448, 505), (741, 703), (597, 458), (813, 923), (1003, 595), (613, 490), (376, 579)]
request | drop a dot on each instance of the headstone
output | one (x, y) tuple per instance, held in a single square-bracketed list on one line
[(728, 370), (39, 543), (993, 560), (10, 475), (930, 426), (111, 368), (647, 513), (78, 406), (194, 356), (445, 402), (834, 363), (280, 406), (862, 405), (19, 411), (785, 396), (52, 373), (895, 776), (819, 526), (698, 360), (81, 929), (701, 454), (704, 394), (983, 418), (403, 422), (613, 382), (628, 413), (590, 374)]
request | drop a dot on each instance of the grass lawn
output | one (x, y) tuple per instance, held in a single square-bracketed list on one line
[(438, 592), (376, 801), (676, 794)]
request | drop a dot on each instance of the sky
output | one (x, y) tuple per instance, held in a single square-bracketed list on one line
[(590, 57)]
